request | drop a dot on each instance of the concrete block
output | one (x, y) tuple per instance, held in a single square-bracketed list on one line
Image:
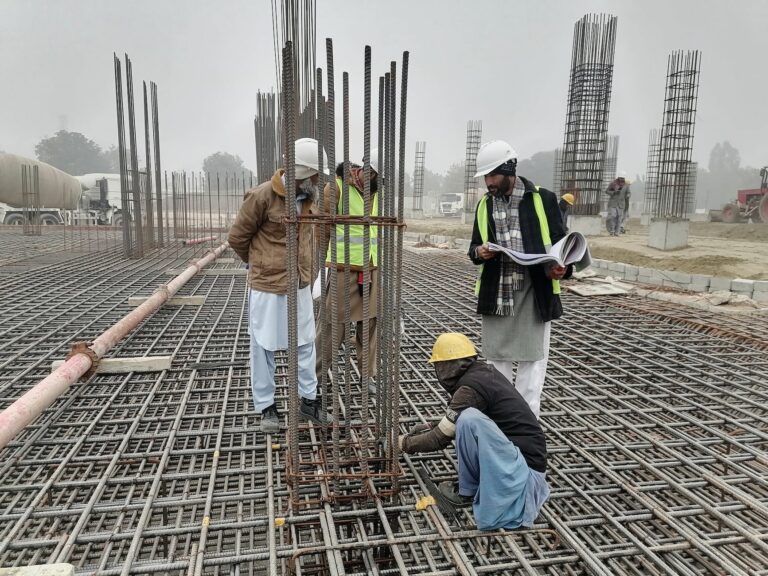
[(761, 285), (462, 244), (645, 219), (680, 278), (668, 234), (643, 271), (760, 296), (629, 269), (587, 225), (743, 286), (699, 282), (716, 284), (644, 279), (616, 267), (630, 276), (42, 570)]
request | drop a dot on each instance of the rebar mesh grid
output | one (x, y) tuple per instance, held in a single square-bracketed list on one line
[(474, 135), (418, 177), (656, 433), (652, 172), (674, 191), (586, 122)]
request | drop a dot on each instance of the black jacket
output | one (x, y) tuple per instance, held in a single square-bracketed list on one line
[(548, 304), (486, 389)]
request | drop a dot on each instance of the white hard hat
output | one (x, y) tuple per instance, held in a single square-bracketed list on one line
[(374, 160), (305, 150), (622, 174), (492, 155)]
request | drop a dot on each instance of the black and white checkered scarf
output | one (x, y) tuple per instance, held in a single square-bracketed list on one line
[(505, 218)]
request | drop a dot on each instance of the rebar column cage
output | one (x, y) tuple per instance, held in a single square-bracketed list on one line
[(652, 172), (356, 458), (295, 21), (676, 142), (30, 193), (557, 170), (609, 167), (474, 135), (586, 122), (267, 136), (418, 177)]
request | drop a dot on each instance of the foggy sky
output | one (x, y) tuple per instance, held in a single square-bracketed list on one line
[(503, 62)]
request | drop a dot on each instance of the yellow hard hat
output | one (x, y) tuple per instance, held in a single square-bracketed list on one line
[(452, 346), (568, 198)]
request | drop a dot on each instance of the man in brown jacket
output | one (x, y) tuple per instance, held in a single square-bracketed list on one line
[(352, 282), (259, 238)]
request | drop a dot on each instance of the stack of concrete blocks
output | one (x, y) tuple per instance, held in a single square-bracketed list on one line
[(755, 289)]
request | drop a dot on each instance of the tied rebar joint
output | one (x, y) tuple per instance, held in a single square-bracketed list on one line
[(85, 348)]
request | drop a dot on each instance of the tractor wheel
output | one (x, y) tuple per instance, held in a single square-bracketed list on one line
[(730, 214), (14, 220), (763, 209), (117, 220), (49, 220)]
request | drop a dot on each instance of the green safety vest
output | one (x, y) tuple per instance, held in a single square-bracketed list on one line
[(482, 224), (356, 231)]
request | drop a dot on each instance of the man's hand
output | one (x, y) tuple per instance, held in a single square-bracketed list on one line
[(418, 428), (556, 272), (484, 253)]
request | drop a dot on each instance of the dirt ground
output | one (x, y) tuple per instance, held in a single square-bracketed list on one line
[(714, 248)]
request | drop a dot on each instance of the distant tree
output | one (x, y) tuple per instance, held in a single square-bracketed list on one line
[(71, 152), (539, 168), (223, 162), (453, 181), (724, 159), (433, 183), (112, 160)]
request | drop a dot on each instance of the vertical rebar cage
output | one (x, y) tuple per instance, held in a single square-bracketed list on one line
[(30, 193), (676, 187), (266, 135), (418, 177), (355, 456), (652, 172), (586, 122), (474, 135)]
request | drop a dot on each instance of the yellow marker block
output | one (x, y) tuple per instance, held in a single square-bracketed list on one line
[(279, 522), (206, 521), (275, 446), (216, 454), (425, 501)]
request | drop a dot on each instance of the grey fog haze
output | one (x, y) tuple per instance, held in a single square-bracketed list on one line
[(503, 62)]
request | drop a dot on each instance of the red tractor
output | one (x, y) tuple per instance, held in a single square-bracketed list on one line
[(751, 204)]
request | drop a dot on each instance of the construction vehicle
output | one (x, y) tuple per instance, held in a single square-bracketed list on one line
[(56, 198), (101, 198), (750, 205), (451, 204)]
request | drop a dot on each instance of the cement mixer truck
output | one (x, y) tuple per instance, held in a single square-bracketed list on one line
[(62, 199)]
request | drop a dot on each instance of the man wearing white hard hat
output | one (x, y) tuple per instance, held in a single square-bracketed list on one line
[(517, 303), (258, 237), (353, 281)]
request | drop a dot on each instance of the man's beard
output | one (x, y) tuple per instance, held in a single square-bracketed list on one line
[(503, 188), (308, 187)]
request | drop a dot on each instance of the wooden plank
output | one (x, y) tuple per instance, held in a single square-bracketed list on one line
[(125, 365), (226, 260), (173, 301), (214, 271)]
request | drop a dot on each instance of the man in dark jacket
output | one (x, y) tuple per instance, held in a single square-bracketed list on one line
[(500, 446), (517, 302)]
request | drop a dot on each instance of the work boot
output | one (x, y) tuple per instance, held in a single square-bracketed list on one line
[(450, 491), (313, 410), (270, 420)]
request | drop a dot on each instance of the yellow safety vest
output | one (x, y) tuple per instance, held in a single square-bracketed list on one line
[(482, 223), (356, 231)]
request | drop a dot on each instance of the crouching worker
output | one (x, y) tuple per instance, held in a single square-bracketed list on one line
[(500, 447)]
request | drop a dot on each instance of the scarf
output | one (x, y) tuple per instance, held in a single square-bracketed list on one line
[(505, 218)]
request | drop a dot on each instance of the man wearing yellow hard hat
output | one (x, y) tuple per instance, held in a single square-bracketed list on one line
[(566, 205), (500, 446)]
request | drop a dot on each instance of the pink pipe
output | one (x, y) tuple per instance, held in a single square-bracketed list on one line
[(29, 406), (198, 240)]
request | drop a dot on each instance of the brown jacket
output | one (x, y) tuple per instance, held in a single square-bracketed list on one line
[(258, 236), (330, 206)]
